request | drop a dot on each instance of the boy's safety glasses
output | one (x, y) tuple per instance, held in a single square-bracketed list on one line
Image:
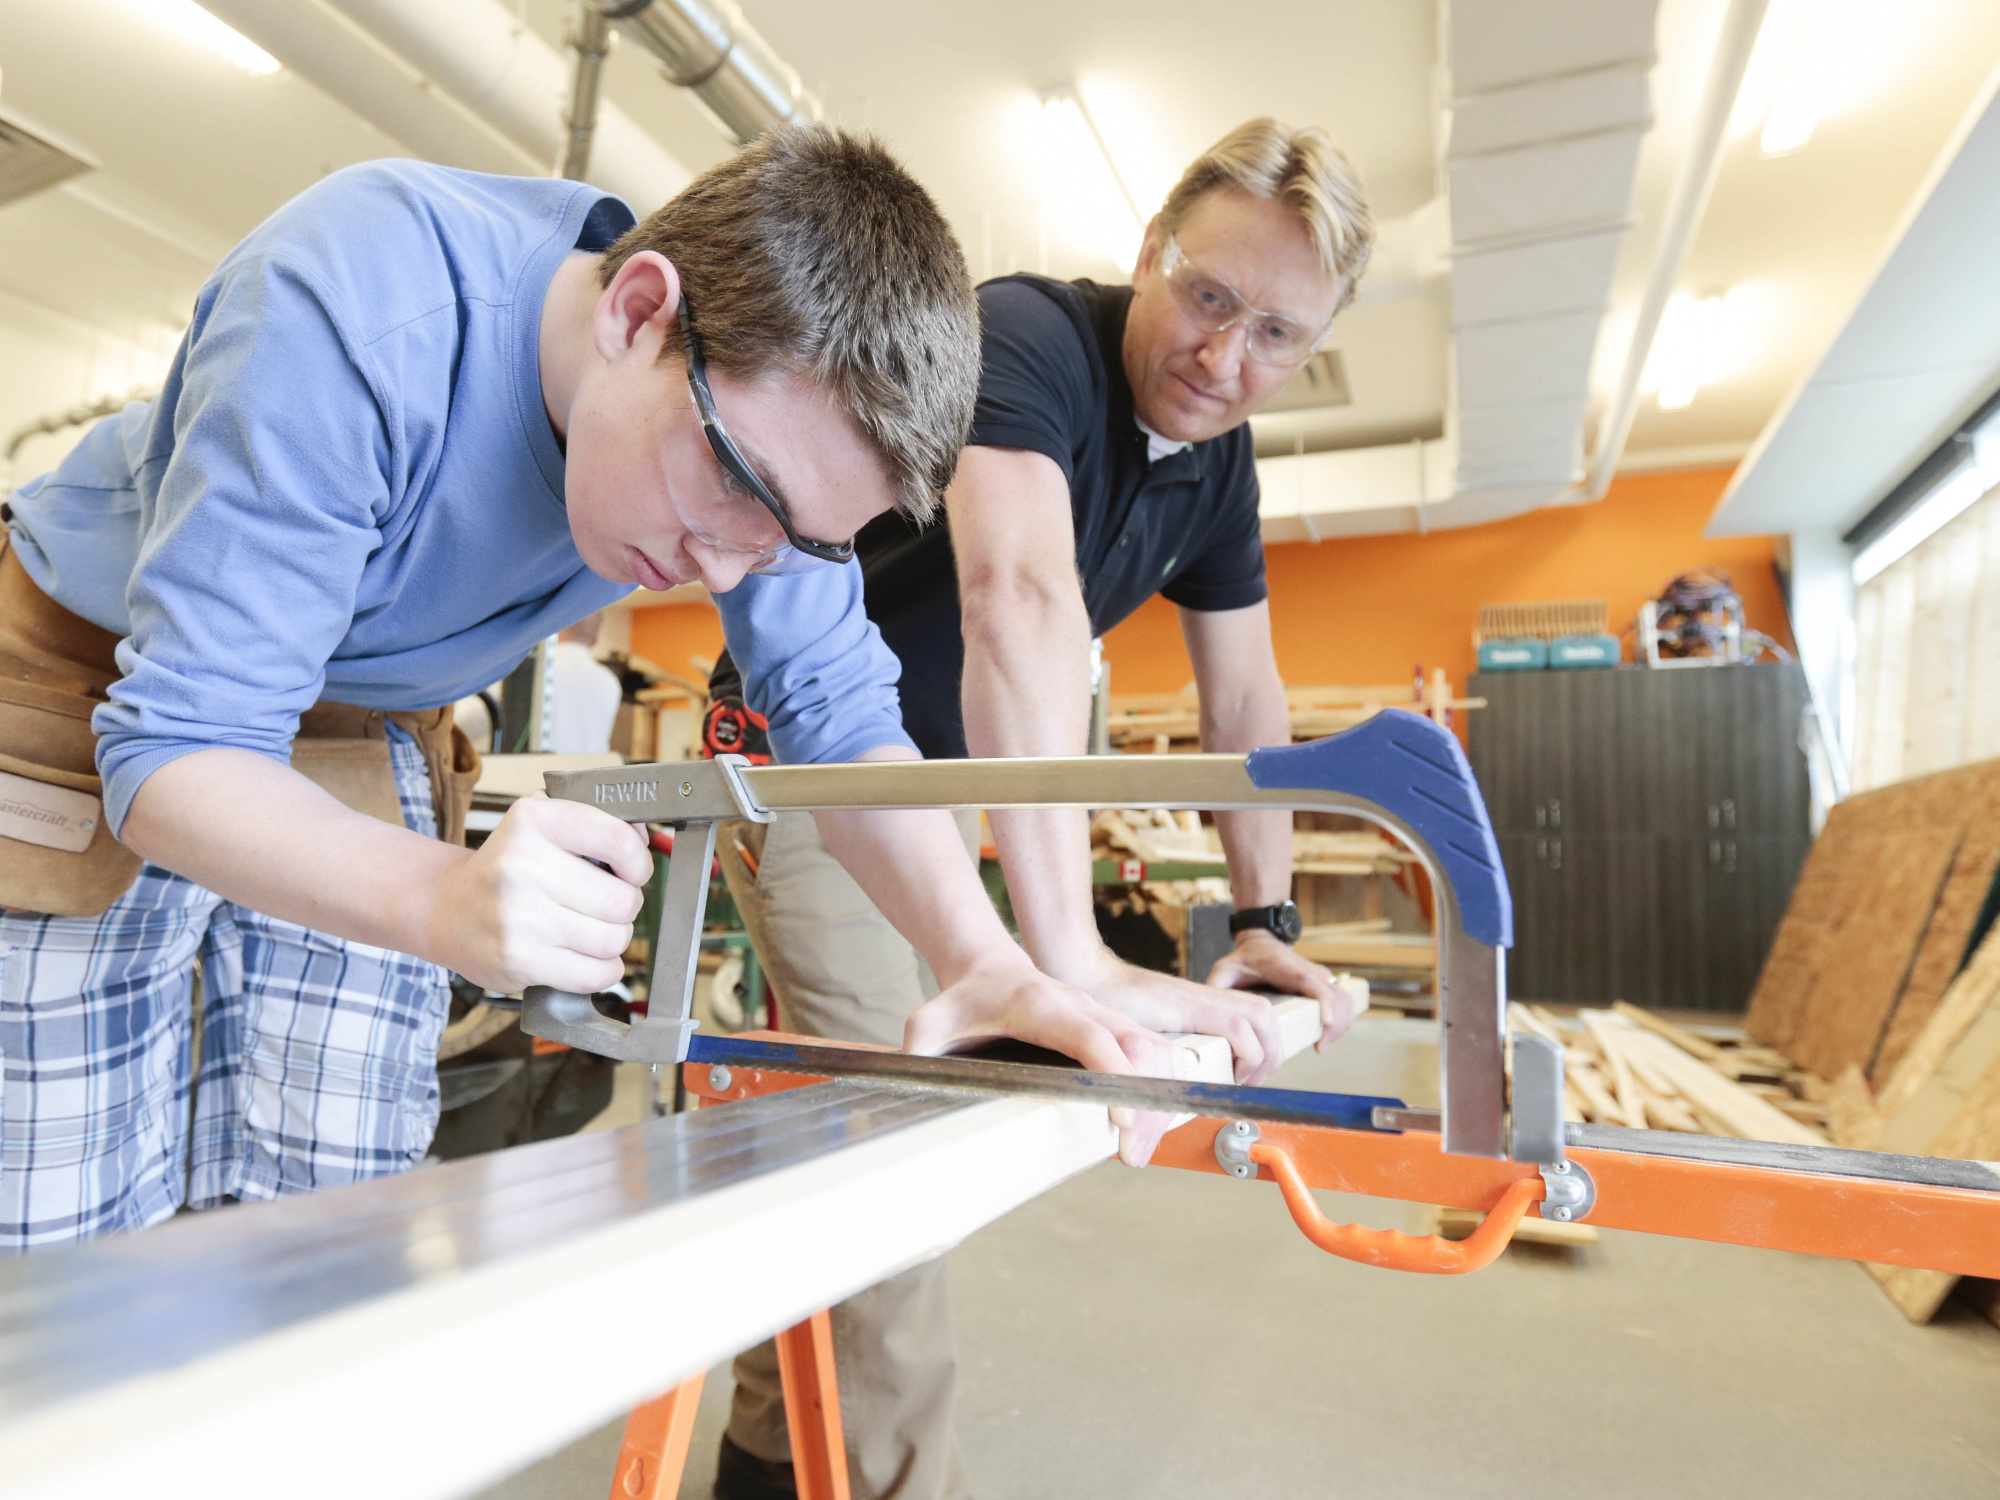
[(1213, 305), (796, 552)]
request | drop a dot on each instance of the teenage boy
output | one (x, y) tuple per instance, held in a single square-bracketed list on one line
[(420, 420), (1110, 460)]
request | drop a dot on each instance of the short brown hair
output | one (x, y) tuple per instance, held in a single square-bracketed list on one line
[(1303, 167), (813, 252)]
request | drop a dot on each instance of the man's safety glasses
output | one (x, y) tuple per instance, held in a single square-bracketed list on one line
[(1213, 305), (796, 552)]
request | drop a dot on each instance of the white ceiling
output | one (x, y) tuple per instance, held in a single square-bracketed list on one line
[(199, 152), (1919, 354), (1801, 232)]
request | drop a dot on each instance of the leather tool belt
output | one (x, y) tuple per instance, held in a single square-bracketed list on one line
[(56, 854)]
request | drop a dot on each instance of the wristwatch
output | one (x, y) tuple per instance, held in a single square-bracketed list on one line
[(1282, 922)]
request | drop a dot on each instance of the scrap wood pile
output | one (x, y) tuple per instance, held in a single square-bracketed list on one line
[(1885, 978), (1626, 1066)]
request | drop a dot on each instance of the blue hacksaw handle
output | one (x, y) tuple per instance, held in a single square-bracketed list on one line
[(1408, 765)]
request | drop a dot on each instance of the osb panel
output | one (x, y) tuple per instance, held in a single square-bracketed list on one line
[(1942, 952), (1784, 988), (1807, 985), (1865, 961)]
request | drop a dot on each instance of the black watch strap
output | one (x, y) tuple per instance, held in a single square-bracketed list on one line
[(1282, 922)]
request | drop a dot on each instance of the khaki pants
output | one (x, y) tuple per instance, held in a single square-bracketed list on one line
[(839, 970)]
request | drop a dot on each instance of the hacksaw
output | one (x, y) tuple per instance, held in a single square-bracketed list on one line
[(1409, 777)]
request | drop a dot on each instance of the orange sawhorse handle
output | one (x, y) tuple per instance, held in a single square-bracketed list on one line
[(1385, 1247)]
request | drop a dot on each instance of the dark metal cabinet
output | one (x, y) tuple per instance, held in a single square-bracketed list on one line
[(1651, 822)]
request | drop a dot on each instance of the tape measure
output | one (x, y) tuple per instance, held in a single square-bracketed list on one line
[(731, 727)]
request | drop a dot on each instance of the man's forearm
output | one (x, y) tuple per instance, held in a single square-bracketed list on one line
[(1027, 692), (262, 835), (1258, 845), (913, 866)]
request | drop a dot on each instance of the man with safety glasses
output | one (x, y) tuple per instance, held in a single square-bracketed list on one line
[(420, 420), (1110, 460)]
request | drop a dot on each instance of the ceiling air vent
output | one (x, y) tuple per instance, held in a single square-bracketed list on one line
[(31, 158), (1321, 381)]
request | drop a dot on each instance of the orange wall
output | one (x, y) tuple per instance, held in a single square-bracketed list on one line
[(668, 634), (1371, 609)]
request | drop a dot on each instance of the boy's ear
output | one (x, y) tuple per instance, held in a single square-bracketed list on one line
[(641, 303)]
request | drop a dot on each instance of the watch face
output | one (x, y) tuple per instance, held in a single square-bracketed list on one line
[(1289, 923)]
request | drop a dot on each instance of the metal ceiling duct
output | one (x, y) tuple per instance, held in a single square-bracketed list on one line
[(33, 157), (706, 47), (479, 54)]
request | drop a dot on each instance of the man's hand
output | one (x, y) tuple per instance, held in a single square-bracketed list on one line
[(1166, 1003), (1261, 959), (1006, 995), (530, 907)]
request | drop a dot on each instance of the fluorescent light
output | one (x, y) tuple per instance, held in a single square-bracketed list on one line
[(1689, 348), (196, 26), (1081, 184), (1800, 97), (1792, 119), (1777, 41), (1937, 510)]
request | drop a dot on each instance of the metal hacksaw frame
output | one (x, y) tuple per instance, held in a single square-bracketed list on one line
[(1397, 770)]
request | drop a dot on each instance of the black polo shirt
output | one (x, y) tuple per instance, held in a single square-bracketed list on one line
[(1053, 381)]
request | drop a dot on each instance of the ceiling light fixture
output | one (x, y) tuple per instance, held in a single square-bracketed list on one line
[(1081, 180), (1971, 481), (194, 25), (1688, 349)]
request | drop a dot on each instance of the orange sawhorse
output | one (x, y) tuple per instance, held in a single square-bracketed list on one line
[(1895, 1223), (655, 1450)]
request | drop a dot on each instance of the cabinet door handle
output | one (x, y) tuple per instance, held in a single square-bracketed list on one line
[(1555, 813), (1714, 816), (1728, 813), (1715, 851), (1541, 815), (1729, 858), (1541, 851), (1556, 854)]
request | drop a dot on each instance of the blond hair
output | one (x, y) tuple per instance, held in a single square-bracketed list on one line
[(812, 252), (1302, 168)]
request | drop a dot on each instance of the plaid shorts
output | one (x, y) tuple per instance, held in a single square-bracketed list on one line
[(318, 1057)]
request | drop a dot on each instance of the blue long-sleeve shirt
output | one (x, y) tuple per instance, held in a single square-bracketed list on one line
[(348, 488)]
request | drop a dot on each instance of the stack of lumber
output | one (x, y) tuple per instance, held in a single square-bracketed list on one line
[(1626, 1066), (1153, 835), (1156, 721), (1160, 837), (1366, 943), (1873, 980), (1316, 852)]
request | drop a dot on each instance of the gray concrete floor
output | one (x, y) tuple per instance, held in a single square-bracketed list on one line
[(1171, 1336)]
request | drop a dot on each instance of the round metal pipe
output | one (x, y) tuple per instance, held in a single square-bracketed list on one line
[(707, 47)]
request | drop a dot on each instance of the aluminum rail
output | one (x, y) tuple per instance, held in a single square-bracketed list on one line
[(420, 1336), (1397, 770)]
